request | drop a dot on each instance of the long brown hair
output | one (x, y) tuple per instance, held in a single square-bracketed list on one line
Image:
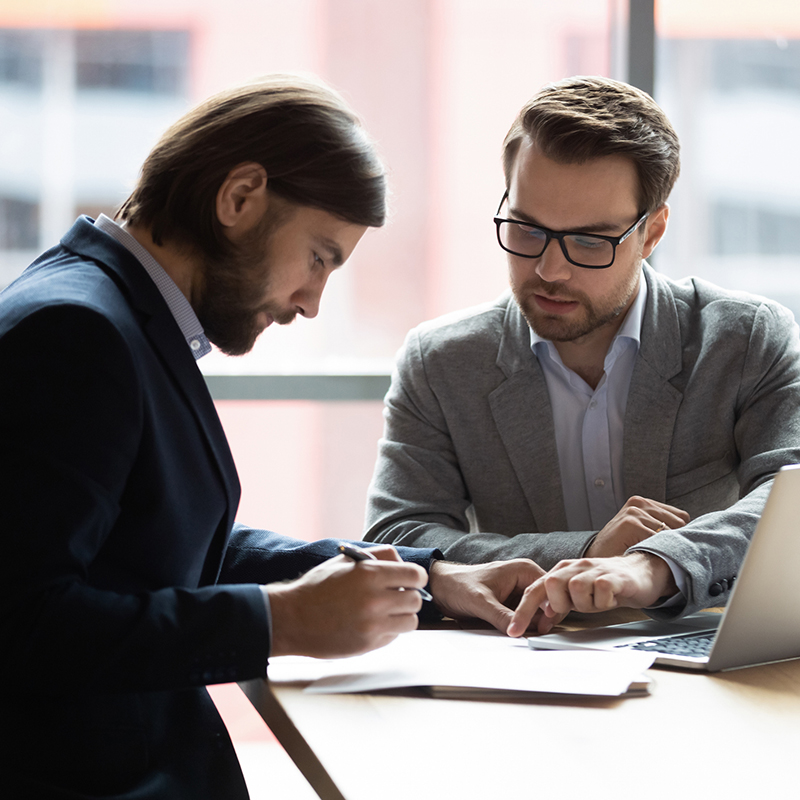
[(308, 140)]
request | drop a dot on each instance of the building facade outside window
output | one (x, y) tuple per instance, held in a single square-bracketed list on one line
[(729, 79)]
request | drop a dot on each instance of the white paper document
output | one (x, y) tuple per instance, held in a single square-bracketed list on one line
[(464, 663)]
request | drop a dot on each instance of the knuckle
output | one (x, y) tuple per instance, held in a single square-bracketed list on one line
[(603, 583), (550, 581), (532, 588), (576, 583), (563, 564), (416, 602)]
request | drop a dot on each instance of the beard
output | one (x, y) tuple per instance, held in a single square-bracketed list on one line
[(588, 317), (232, 284)]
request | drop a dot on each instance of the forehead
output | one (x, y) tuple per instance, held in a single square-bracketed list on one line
[(569, 196)]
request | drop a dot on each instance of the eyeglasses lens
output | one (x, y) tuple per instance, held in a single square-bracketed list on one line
[(526, 240)]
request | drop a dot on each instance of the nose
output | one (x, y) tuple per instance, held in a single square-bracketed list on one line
[(552, 265), (307, 299)]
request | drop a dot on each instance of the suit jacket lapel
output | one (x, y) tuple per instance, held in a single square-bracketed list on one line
[(523, 416), (172, 348), (653, 402), (163, 332)]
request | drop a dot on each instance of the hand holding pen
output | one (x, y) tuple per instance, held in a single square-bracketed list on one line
[(362, 554), (337, 609)]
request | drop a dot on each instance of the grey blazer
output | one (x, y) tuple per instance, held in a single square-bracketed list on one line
[(468, 459)]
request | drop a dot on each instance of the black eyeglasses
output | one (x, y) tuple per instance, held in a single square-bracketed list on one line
[(592, 251)]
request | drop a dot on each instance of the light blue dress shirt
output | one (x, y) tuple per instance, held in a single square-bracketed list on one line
[(589, 426), (589, 423), (176, 300)]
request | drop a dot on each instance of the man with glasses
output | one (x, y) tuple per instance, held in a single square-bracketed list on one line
[(617, 427)]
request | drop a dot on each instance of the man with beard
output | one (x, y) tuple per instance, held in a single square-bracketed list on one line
[(127, 587), (617, 427)]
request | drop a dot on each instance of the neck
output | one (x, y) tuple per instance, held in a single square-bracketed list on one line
[(181, 266), (586, 356)]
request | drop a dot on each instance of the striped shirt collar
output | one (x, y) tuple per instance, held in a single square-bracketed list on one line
[(178, 305)]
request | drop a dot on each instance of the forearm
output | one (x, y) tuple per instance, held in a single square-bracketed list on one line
[(710, 549), (261, 556), (546, 549)]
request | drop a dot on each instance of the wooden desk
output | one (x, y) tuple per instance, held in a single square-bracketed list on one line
[(734, 734)]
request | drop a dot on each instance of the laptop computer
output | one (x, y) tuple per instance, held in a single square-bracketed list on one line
[(761, 622)]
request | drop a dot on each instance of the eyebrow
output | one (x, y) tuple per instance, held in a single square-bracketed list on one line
[(333, 249), (598, 227)]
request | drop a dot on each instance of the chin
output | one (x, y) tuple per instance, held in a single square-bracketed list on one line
[(238, 346)]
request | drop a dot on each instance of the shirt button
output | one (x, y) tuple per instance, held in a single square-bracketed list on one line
[(195, 344), (600, 483)]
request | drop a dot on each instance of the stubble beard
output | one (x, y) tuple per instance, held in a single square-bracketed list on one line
[(572, 327)]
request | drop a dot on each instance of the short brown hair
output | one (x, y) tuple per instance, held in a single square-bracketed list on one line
[(582, 118), (303, 133)]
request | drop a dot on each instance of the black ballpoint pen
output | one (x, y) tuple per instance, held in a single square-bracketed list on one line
[(360, 554)]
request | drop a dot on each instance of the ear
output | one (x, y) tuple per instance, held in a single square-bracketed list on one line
[(655, 228), (242, 198)]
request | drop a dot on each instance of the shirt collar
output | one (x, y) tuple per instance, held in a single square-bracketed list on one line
[(175, 299), (631, 327)]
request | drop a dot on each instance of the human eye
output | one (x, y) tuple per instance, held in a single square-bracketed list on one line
[(522, 236), (318, 261), (530, 231), (588, 242)]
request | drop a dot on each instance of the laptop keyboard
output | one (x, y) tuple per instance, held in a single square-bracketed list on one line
[(698, 644)]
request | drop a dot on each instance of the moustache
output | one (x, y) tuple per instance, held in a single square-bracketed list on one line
[(551, 291)]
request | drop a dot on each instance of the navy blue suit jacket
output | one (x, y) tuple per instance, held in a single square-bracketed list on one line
[(126, 586)]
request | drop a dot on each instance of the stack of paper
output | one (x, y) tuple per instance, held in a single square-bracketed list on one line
[(471, 664)]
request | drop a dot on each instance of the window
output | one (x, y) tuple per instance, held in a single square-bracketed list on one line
[(746, 230), (154, 62), (755, 65), (79, 109), (20, 59), (730, 83), (19, 224)]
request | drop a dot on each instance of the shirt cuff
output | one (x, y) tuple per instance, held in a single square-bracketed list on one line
[(588, 544)]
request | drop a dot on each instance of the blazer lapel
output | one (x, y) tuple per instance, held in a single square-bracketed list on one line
[(523, 416), (172, 347), (163, 332), (653, 402)]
